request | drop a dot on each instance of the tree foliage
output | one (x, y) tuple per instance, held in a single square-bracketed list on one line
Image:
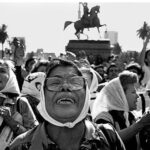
[(143, 31), (3, 36), (3, 33)]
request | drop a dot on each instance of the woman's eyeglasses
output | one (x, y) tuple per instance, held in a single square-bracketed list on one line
[(57, 83)]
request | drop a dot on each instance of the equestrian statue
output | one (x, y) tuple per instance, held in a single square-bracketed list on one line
[(88, 20)]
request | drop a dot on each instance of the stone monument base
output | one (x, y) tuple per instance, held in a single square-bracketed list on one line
[(96, 51)]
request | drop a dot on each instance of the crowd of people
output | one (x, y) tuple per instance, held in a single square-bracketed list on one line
[(66, 103)]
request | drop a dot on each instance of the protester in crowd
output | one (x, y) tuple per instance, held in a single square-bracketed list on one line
[(101, 71), (29, 64), (114, 104), (64, 106), (16, 113), (111, 73), (144, 61), (18, 52), (145, 103), (31, 90), (143, 100), (40, 66), (71, 56), (92, 78), (136, 68)]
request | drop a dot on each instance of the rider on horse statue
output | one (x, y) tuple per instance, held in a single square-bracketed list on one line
[(85, 17), (88, 20), (88, 17)]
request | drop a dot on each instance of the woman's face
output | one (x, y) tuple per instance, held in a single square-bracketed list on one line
[(131, 96), (4, 76), (20, 52), (113, 73), (63, 103), (100, 71)]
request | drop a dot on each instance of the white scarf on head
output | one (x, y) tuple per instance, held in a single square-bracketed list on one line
[(29, 86), (93, 87), (94, 83), (42, 109), (12, 84), (111, 97)]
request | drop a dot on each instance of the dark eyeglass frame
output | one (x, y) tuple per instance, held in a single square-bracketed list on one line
[(58, 85)]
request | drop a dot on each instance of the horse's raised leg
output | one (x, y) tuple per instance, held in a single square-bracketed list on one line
[(77, 34), (99, 32)]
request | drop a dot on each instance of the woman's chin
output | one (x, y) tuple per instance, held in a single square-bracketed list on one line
[(68, 115)]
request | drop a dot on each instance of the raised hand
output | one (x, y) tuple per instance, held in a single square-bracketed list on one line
[(145, 119), (5, 111)]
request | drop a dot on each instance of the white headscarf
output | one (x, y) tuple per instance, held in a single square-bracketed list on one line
[(42, 109), (32, 84), (93, 87), (111, 97), (94, 83), (12, 84)]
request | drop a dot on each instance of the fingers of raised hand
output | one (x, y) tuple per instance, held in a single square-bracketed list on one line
[(4, 112)]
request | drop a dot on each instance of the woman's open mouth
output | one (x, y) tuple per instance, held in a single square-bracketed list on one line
[(65, 101)]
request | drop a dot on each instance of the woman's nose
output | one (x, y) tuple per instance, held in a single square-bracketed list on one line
[(65, 87)]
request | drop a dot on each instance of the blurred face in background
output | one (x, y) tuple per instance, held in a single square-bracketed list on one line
[(19, 52), (100, 70), (4, 75), (113, 72)]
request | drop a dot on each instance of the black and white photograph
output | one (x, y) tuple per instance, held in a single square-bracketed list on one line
[(74, 75)]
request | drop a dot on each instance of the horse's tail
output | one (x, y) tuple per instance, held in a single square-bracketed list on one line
[(67, 23)]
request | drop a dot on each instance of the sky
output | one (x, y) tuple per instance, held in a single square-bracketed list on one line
[(42, 22)]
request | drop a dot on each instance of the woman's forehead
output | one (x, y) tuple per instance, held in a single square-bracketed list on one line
[(64, 70)]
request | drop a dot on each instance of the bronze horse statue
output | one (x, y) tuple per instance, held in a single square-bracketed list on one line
[(90, 22)]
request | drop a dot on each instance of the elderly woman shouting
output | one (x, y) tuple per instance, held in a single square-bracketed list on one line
[(114, 104), (64, 106)]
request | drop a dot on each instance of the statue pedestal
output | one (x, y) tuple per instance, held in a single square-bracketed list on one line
[(100, 49)]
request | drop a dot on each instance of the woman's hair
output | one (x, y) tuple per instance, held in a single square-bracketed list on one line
[(146, 54), (28, 61), (138, 68), (127, 77), (39, 64), (61, 62)]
